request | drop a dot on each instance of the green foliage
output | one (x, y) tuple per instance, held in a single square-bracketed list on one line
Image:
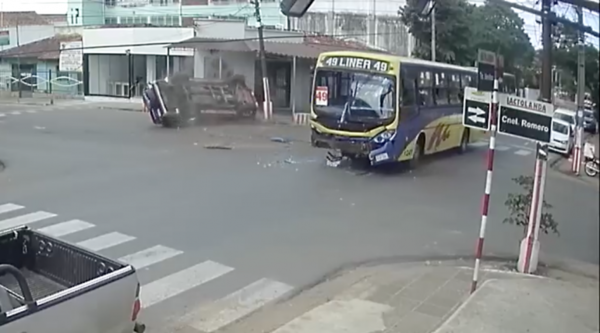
[(519, 205), (463, 28), (565, 58)]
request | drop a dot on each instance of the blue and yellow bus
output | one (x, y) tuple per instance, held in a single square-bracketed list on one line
[(388, 108)]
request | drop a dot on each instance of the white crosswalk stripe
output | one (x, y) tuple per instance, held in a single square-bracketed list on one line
[(66, 228), (9, 208), (105, 241), (181, 281), (25, 219), (512, 149), (209, 317), (150, 256), (236, 305)]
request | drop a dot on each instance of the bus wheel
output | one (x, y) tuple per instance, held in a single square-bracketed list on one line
[(417, 153), (464, 142)]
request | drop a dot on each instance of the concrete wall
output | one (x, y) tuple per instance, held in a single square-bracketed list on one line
[(386, 32), (95, 38), (27, 34)]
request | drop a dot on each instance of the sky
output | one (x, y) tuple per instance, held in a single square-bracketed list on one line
[(532, 28)]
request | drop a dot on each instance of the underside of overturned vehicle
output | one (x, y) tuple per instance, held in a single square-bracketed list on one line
[(180, 100)]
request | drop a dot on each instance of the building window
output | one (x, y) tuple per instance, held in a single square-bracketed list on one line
[(110, 20), (109, 3)]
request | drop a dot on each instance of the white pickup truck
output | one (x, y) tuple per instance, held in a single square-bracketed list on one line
[(50, 286)]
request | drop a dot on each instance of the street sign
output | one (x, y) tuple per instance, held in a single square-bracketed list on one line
[(486, 66), (476, 109), (525, 104), (524, 124)]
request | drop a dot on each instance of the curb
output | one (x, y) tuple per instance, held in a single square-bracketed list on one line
[(554, 161), (572, 266)]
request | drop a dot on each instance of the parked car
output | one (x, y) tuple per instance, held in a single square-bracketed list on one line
[(590, 123), (566, 115), (561, 140)]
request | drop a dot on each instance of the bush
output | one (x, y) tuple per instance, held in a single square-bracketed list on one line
[(519, 205)]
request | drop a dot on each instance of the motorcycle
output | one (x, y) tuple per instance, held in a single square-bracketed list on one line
[(591, 167)]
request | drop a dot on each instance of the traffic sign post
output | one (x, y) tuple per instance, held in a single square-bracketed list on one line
[(530, 120), (489, 67), (476, 109)]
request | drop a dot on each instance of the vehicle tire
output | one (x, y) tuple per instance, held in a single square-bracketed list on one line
[(464, 142), (417, 153), (590, 169)]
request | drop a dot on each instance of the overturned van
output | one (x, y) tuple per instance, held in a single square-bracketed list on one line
[(180, 100)]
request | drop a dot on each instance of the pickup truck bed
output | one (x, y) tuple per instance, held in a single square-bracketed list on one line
[(39, 285), (41, 277)]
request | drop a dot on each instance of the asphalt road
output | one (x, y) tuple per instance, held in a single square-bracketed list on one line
[(262, 209)]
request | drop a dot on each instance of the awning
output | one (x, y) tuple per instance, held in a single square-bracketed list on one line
[(302, 50)]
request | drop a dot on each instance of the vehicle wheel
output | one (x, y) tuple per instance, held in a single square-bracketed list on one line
[(464, 142), (590, 169), (417, 153)]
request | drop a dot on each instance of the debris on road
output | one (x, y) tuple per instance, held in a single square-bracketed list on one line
[(280, 139), (218, 147)]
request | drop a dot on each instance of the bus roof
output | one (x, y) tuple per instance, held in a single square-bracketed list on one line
[(406, 60)]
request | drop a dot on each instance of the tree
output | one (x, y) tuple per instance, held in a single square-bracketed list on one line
[(565, 59), (453, 32), (519, 205), (498, 28), (462, 29)]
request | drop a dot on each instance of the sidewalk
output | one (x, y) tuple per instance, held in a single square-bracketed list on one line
[(564, 165), (426, 298)]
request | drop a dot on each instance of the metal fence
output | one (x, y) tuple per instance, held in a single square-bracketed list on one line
[(42, 82)]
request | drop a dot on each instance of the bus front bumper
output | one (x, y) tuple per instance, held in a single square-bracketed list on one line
[(356, 148)]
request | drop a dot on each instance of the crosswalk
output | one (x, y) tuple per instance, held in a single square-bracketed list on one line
[(207, 317), (516, 150)]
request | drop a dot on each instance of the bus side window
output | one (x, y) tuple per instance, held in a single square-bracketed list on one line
[(425, 89), (409, 106), (467, 81), (454, 91), (408, 91), (441, 89)]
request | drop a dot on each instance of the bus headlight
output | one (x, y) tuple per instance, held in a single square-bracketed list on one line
[(384, 136)]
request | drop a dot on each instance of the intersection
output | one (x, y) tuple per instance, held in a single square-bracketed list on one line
[(264, 217)]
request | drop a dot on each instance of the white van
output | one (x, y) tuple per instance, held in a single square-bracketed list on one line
[(561, 140), (566, 115)]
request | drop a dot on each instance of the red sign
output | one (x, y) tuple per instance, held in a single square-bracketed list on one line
[(321, 96)]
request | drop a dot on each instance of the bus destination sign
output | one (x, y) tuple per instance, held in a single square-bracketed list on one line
[(357, 63)]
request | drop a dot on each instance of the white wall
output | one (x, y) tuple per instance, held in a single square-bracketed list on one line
[(382, 7), (27, 34), (124, 38), (206, 65)]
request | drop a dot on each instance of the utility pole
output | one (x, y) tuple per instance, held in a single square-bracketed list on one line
[(580, 95), (546, 84), (268, 112), (433, 41)]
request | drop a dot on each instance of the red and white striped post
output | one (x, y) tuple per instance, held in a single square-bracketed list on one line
[(530, 245), (485, 201)]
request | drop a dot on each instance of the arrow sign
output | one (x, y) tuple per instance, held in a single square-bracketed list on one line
[(477, 112), (476, 109)]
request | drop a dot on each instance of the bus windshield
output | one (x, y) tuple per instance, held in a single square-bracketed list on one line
[(355, 96)]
